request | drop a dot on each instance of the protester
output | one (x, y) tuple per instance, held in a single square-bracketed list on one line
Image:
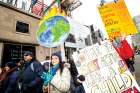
[(58, 77), (125, 52), (2, 78), (76, 80), (0, 70), (9, 78), (30, 74)]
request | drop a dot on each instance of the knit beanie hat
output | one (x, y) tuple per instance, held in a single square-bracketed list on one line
[(10, 65), (58, 54), (26, 53)]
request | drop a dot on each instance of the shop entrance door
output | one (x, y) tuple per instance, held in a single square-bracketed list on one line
[(14, 52)]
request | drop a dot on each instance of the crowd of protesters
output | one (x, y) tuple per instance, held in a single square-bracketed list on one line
[(54, 75), (30, 76)]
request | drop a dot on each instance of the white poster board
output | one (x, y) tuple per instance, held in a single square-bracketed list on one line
[(104, 70)]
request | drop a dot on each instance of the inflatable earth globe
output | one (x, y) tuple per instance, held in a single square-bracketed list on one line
[(53, 31)]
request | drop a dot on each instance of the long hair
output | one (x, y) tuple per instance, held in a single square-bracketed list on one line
[(61, 66), (61, 63)]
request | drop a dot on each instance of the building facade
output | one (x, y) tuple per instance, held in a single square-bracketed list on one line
[(18, 34)]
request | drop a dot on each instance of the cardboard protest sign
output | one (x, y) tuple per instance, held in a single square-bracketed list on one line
[(104, 70), (117, 19)]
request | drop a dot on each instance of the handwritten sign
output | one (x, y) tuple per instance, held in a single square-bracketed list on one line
[(117, 19), (104, 70)]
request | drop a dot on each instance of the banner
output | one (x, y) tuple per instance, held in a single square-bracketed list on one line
[(104, 70), (117, 19)]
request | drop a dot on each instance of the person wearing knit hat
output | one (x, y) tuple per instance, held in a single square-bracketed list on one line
[(28, 56), (26, 53), (9, 79), (30, 74), (10, 65), (58, 75), (58, 54)]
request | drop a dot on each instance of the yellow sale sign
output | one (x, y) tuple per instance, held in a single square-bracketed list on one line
[(117, 19)]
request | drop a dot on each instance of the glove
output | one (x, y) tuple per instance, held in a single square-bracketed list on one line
[(81, 77), (46, 77)]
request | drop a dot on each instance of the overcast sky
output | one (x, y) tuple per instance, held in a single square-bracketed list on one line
[(88, 14)]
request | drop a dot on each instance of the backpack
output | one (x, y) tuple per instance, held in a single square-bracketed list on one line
[(32, 67)]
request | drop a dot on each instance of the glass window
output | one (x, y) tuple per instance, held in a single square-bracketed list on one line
[(22, 27), (14, 52)]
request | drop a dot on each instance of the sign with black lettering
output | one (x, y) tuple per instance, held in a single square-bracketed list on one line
[(104, 70), (117, 20)]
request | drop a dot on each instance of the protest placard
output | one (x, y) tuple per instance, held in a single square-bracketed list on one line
[(104, 70), (117, 19)]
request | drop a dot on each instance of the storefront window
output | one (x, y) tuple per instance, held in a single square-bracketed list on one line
[(14, 52)]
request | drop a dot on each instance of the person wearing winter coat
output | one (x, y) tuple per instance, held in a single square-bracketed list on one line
[(9, 79), (126, 53), (76, 79), (30, 79), (0, 70), (57, 79)]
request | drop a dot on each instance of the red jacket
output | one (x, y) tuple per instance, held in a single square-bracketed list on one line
[(125, 51)]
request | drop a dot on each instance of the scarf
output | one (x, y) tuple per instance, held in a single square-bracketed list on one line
[(117, 43), (48, 76)]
